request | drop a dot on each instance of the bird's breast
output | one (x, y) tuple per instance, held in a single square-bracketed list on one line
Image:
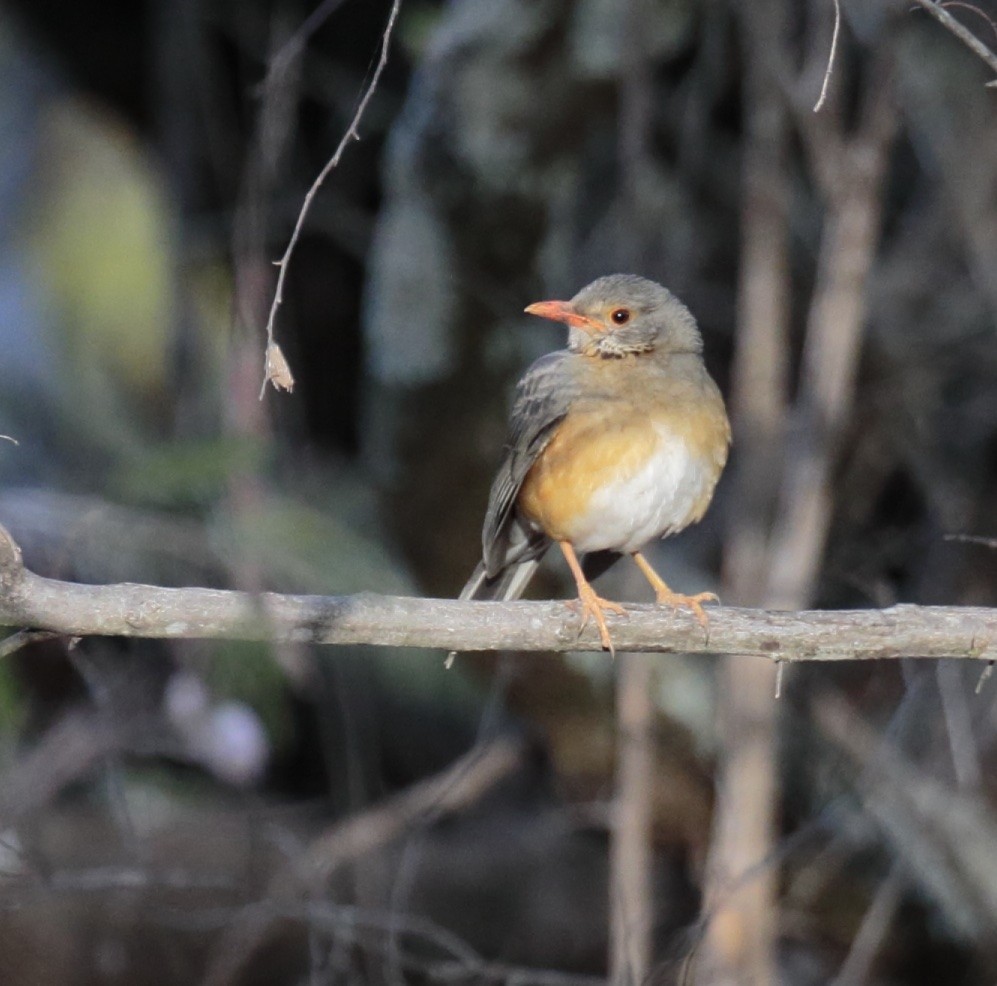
[(616, 479)]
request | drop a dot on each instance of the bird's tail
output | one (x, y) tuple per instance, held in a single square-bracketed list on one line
[(509, 584), (506, 586)]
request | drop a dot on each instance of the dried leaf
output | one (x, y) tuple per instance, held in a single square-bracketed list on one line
[(277, 370)]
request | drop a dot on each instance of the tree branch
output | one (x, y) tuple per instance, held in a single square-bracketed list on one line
[(130, 610)]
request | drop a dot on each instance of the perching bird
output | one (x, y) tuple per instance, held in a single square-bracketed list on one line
[(614, 441)]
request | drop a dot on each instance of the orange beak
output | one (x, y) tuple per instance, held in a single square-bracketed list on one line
[(561, 311)]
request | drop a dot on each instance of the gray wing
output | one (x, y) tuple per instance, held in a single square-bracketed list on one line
[(542, 400)]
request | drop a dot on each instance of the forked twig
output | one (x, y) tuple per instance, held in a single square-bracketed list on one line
[(963, 33), (973, 9)]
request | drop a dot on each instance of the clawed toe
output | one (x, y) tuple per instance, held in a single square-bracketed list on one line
[(591, 606), (692, 603), (588, 604)]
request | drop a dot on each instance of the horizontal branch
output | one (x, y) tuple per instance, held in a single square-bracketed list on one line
[(129, 610)]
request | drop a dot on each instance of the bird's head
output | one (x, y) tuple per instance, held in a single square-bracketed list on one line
[(621, 314)]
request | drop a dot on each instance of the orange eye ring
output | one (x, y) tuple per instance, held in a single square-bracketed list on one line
[(620, 316)]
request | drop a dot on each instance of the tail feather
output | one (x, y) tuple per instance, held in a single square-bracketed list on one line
[(507, 585)]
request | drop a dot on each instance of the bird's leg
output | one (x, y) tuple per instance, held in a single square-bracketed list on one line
[(675, 599), (591, 604)]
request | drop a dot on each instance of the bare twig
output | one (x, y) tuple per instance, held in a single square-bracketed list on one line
[(973, 9), (13, 643), (972, 539), (130, 610), (274, 357), (433, 955), (830, 58), (985, 675), (459, 786), (963, 33), (872, 931), (295, 44), (943, 835), (959, 726), (67, 751)]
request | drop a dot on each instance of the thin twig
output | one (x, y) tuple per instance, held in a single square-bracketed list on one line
[(972, 539), (22, 638), (830, 57), (295, 44), (943, 835), (872, 931), (274, 358), (958, 720), (459, 786), (963, 33), (985, 674), (973, 9), (434, 954)]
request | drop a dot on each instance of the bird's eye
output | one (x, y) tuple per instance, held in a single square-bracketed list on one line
[(621, 316)]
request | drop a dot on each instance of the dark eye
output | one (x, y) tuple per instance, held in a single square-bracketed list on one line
[(621, 316)]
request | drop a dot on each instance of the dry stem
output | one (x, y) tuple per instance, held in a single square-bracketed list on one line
[(274, 358)]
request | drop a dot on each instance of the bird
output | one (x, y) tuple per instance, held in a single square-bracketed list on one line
[(615, 441)]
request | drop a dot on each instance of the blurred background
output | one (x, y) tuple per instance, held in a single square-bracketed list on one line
[(233, 813)]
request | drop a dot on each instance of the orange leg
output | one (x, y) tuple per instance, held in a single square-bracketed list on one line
[(665, 595), (591, 605)]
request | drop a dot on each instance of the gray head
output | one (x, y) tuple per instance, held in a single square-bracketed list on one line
[(623, 313)]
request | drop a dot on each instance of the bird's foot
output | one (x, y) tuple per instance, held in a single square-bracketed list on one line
[(592, 606), (666, 597)]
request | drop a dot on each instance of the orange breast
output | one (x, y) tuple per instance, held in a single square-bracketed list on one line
[(589, 451), (617, 476)]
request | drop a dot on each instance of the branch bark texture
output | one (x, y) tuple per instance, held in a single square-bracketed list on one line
[(130, 610)]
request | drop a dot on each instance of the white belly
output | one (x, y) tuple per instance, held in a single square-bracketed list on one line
[(661, 498)]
